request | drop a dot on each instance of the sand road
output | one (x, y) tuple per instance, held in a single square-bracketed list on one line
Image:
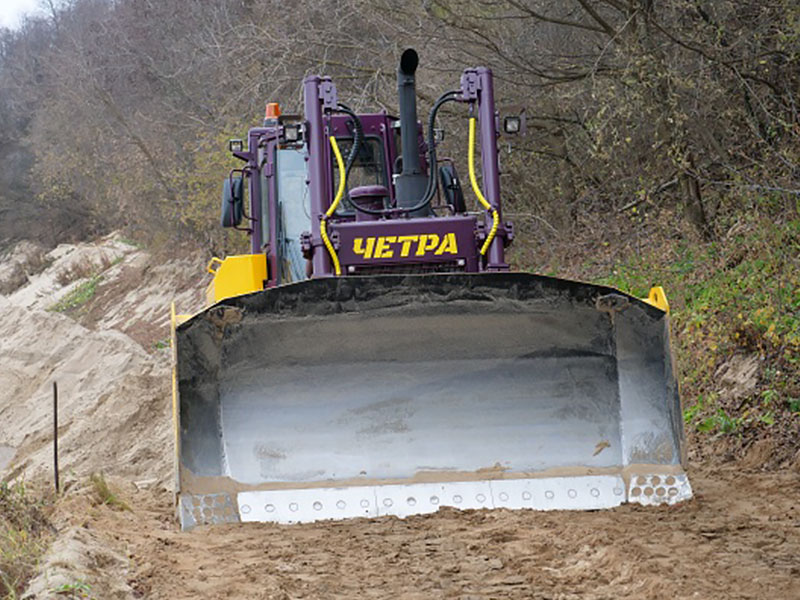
[(739, 538)]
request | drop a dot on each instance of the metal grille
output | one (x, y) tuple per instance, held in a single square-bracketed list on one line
[(412, 269)]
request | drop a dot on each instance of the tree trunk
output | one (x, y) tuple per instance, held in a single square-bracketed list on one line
[(693, 200)]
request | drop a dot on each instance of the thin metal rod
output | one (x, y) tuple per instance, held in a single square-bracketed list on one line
[(55, 435)]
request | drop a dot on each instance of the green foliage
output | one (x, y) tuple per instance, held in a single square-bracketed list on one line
[(770, 397), (134, 243), (758, 288), (767, 418), (78, 589), (720, 422), (692, 413), (632, 277), (22, 537), (198, 207), (82, 293)]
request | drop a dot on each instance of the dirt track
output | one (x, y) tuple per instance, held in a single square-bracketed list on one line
[(740, 538)]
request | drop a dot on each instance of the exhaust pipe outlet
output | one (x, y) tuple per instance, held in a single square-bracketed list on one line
[(411, 184)]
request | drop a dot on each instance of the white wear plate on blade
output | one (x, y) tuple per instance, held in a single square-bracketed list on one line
[(316, 504)]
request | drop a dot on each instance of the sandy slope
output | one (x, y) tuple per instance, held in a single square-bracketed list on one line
[(113, 409), (114, 392)]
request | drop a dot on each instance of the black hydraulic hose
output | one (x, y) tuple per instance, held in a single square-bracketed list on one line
[(433, 180), (358, 139)]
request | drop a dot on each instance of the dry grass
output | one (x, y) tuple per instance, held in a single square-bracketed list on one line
[(83, 270), (23, 537), (105, 495)]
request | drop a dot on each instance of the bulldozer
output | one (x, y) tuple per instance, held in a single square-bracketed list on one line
[(374, 354)]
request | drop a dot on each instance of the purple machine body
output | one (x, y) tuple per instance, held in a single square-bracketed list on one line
[(396, 240)]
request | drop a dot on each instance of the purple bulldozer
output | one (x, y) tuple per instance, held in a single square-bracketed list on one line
[(373, 355)]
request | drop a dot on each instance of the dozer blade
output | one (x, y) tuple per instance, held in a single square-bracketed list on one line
[(396, 395)]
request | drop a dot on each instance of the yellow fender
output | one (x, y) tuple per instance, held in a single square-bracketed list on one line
[(235, 275)]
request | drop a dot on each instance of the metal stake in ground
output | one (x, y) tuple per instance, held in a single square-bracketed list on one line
[(55, 434)]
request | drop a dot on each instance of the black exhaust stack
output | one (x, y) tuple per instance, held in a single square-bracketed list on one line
[(411, 184)]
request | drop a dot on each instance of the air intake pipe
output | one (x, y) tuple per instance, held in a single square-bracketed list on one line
[(411, 184)]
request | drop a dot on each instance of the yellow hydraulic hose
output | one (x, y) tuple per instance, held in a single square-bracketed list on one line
[(477, 190), (323, 224)]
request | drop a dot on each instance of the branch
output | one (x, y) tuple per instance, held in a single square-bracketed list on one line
[(646, 196), (596, 16), (546, 19), (109, 103)]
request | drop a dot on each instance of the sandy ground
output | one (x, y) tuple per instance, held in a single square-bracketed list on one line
[(739, 538)]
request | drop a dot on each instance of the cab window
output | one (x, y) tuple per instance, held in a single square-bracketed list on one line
[(368, 169), (294, 208)]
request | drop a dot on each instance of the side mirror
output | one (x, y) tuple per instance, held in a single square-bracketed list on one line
[(452, 188), (232, 201)]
